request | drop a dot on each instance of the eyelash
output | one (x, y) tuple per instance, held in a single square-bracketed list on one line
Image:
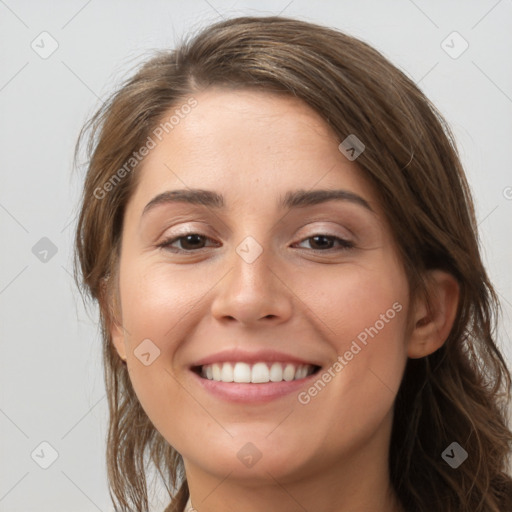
[(345, 244)]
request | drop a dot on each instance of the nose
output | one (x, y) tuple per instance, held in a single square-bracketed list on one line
[(252, 291)]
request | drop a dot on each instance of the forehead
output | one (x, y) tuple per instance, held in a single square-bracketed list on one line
[(230, 122), (248, 143)]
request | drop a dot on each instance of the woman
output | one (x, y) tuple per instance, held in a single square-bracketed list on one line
[(280, 236)]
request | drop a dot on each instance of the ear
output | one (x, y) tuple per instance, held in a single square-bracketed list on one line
[(110, 307), (117, 335), (431, 326)]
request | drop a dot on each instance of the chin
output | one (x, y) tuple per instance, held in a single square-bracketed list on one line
[(253, 462)]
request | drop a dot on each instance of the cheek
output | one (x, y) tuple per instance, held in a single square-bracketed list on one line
[(366, 318), (363, 314), (353, 299), (155, 305), (160, 304), (155, 300)]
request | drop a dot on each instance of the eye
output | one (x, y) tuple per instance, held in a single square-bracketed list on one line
[(189, 242), (325, 242)]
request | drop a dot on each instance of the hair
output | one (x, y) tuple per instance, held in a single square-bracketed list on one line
[(461, 392)]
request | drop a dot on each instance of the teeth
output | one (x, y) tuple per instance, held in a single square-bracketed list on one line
[(302, 372), (276, 372), (226, 373), (257, 373), (289, 372), (241, 372)]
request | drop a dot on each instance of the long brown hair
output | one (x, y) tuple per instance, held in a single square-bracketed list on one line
[(461, 392)]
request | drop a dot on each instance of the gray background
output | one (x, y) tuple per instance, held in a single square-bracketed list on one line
[(51, 382)]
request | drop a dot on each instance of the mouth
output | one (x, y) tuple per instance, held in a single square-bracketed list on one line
[(262, 372), (253, 377), (252, 384)]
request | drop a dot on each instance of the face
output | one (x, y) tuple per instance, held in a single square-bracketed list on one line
[(267, 272)]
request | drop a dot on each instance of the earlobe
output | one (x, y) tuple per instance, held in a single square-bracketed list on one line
[(117, 335), (111, 312), (434, 320)]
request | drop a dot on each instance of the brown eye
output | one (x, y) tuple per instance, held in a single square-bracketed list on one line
[(189, 242), (324, 243)]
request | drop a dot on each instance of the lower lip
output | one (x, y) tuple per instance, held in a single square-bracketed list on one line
[(248, 393)]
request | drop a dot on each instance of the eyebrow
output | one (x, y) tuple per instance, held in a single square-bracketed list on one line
[(292, 199)]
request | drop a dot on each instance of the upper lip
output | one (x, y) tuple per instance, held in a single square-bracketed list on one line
[(237, 355)]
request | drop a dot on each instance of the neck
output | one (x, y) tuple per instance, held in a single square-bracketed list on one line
[(253, 500)]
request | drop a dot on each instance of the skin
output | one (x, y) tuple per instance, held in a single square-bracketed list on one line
[(332, 453)]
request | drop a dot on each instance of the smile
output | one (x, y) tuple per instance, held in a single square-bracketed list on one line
[(257, 373), (253, 377)]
